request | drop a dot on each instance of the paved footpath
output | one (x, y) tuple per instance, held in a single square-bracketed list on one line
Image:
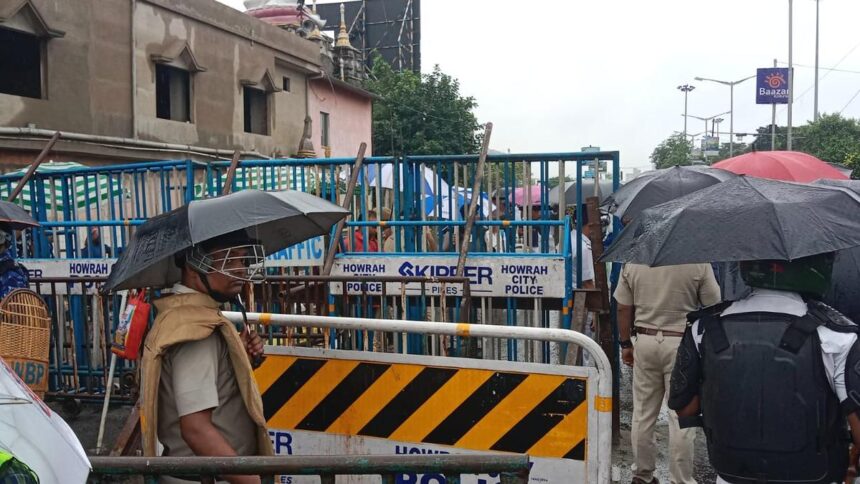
[(622, 456)]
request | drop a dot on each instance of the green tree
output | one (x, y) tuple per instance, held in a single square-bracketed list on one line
[(832, 138), (420, 114), (725, 153), (674, 150), (853, 162), (763, 136), (553, 182)]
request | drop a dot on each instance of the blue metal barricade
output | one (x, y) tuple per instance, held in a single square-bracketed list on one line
[(413, 206)]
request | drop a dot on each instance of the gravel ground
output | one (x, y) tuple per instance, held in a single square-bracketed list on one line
[(622, 456), (86, 423)]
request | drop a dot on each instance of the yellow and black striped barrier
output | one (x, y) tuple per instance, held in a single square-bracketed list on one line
[(543, 415)]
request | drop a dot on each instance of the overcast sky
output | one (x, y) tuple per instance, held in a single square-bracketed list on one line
[(556, 75)]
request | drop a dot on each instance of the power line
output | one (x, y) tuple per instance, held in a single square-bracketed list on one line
[(832, 69), (850, 101)]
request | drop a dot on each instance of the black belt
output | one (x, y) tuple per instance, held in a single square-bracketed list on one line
[(654, 332)]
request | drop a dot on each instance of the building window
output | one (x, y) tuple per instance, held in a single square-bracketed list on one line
[(256, 111), (172, 93), (286, 85), (20, 64), (324, 129)]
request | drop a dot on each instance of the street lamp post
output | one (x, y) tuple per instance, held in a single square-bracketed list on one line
[(685, 88), (815, 109), (706, 123), (715, 128), (731, 85), (709, 118), (790, 72)]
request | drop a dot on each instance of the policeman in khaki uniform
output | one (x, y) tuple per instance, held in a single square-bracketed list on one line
[(200, 397), (772, 378), (654, 301)]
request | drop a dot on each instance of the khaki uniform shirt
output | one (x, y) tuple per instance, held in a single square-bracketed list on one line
[(662, 296), (198, 376)]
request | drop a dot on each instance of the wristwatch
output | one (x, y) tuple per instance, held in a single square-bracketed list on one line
[(626, 344)]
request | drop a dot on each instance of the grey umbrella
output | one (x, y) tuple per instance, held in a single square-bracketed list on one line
[(744, 218), (15, 217), (844, 293), (660, 186), (276, 219), (604, 189), (853, 185)]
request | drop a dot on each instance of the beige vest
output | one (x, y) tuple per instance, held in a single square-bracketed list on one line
[(183, 318)]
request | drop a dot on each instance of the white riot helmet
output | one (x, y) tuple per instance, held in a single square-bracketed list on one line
[(235, 255)]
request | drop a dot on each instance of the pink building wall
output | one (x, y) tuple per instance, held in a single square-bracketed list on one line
[(350, 118)]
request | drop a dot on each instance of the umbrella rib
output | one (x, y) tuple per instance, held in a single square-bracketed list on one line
[(665, 239), (773, 208)]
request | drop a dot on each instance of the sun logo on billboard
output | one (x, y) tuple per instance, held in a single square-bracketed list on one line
[(775, 80)]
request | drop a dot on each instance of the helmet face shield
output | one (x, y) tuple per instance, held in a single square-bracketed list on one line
[(808, 275), (242, 262)]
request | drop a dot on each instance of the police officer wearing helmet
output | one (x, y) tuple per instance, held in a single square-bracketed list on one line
[(199, 393), (772, 378)]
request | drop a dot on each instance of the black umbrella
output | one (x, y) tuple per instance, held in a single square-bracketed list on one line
[(15, 217), (276, 219), (744, 218), (660, 186)]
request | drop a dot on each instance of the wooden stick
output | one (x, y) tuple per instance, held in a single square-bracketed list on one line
[(38, 161), (473, 204), (347, 204), (231, 174)]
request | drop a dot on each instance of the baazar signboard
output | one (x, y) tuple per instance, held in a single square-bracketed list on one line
[(493, 276), (772, 86)]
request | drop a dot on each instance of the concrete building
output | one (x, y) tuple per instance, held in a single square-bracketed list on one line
[(149, 79), (340, 110)]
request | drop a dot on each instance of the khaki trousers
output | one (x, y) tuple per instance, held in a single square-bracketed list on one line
[(653, 360)]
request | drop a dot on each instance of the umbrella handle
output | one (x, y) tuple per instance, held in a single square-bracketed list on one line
[(256, 361)]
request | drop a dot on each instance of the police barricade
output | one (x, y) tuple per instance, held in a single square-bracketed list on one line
[(78, 365), (72, 201), (382, 297), (336, 402), (510, 289)]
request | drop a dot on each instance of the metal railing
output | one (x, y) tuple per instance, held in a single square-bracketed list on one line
[(514, 469), (383, 297)]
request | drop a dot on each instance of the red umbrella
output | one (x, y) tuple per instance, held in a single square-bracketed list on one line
[(781, 165)]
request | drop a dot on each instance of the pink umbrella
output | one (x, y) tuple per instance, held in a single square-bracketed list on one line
[(519, 195)]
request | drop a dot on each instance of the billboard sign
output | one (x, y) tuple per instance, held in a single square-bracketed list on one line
[(772, 86), (711, 145)]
